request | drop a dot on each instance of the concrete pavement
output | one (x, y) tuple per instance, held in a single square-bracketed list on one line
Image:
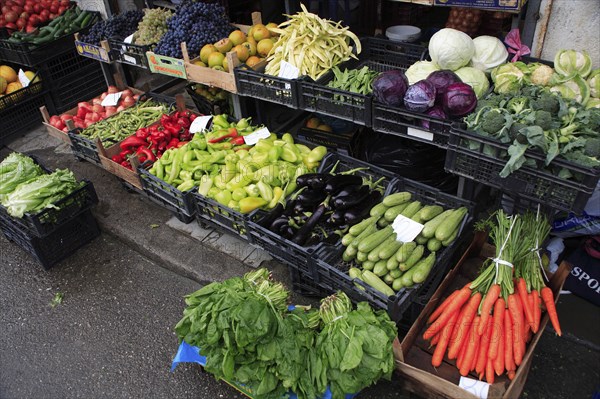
[(112, 335)]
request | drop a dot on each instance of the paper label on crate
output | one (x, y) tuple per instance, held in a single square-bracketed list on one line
[(111, 100), (406, 229), (422, 134), (130, 59), (288, 71), (475, 387), (23, 78), (253, 138), (199, 124), (129, 38)]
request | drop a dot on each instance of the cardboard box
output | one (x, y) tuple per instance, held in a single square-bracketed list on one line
[(498, 5)]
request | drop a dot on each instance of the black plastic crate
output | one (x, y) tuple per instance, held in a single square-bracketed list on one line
[(86, 83), (223, 217), (339, 139), (181, 204), (332, 271), (205, 106), (48, 220), (305, 285), (258, 85), (68, 64), (129, 53), (379, 55), (19, 118), (292, 254), (32, 55), (481, 159), (20, 95), (84, 148), (59, 244)]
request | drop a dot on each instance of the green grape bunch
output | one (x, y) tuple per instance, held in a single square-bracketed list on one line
[(152, 27)]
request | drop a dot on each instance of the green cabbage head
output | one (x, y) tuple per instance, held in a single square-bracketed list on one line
[(451, 48)]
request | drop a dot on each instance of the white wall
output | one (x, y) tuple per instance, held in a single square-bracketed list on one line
[(573, 24)]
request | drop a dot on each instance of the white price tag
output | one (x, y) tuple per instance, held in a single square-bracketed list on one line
[(406, 229), (288, 71), (411, 131), (199, 124), (129, 38), (129, 59), (477, 388), (111, 100), (254, 137), (23, 78)]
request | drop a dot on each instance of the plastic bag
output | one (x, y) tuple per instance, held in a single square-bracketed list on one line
[(407, 158), (586, 224)]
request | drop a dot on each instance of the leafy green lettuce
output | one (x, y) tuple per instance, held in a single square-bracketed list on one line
[(14, 170)]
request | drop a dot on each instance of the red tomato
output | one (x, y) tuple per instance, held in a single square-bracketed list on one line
[(11, 25), (61, 9), (30, 28), (5, 9), (54, 8), (37, 7), (17, 9), (44, 13), (64, 3), (11, 16), (52, 16), (34, 20), (24, 15), (28, 8), (21, 23), (66, 117)]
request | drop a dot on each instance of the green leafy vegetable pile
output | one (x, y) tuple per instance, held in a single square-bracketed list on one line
[(248, 335), (534, 118), (15, 169), (353, 80)]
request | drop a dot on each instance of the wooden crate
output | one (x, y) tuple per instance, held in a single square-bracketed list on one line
[(413, 355), (211, 77), (59, 134)]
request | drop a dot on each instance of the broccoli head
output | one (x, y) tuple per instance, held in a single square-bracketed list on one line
[(514, 130), (543, 119), (517, 105), (592, 147), (546, 102), (582, 159), (493, 122)]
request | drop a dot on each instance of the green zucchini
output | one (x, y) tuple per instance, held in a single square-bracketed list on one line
[(396, 199), (404, 252), (382, 223), (366, 233), (360, 227), (412, 260), (429, 212), (388, 279), (411, 209), (395, 273), (430, 227), (378, 210), (369, 243), (444, 230), (349, 254), (374, 254), (389, 250), (451, 239), (393, 212), (347, 239), (362, 256), (379, 269), (392, 263), (375, 282), (433, 245), (422, 269), (368, 265), (397, 284), (355, 272), (406, 279), (421, 240)]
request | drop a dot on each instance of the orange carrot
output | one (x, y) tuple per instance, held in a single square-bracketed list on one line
[(509, 360), (522, 291), (435, 339), (471, 347), (498, 326), (440, 349), (499, 360), (488, 303), (525, 324), (537, 311), (511, 375), (452, 307), (489, 372), (517, 319), (461, 354), (436, 313), (485, 344), (478, 339), (548, 298), (464, 322)]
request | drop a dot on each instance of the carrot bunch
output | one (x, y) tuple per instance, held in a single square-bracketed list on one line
[(485, 325)]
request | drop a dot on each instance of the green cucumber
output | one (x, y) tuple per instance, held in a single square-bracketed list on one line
[(393, 212), (388, 279), (390, 249), (369, 243), (361, 256), (360, 227), (374, 254), (429, 212), (379, 269), (368, 265), (451, 239), (411, 209), (395, 273), (404, 252), (430, 227), (396, 199), (378, 210), (371, 279), (422, 269), (444, 231), (412, 260), (433, 245)]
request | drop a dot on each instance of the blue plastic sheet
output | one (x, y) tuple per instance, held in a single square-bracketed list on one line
[(191, 354)]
